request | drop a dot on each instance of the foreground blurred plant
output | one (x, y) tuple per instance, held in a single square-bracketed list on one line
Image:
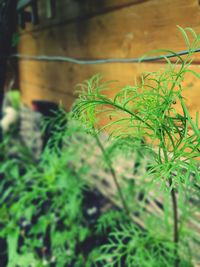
[(41, 205), (43, 211), (148, 111)]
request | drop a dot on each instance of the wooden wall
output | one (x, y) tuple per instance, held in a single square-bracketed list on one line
[(90, 29)]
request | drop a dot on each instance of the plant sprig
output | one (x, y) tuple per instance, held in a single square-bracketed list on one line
[(148, 111)]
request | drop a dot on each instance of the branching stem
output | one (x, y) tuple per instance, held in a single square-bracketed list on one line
[(114, 176)]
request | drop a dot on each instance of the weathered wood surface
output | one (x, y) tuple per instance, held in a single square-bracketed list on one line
[(122, 32), (88, 29), (41, 82), (69, 11)]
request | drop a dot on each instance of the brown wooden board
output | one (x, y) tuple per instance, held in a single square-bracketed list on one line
[(68, 11), (62, 78), (126, 32), (128, 29)]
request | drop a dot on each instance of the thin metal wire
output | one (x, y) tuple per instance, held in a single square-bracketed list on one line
[(102, 60)]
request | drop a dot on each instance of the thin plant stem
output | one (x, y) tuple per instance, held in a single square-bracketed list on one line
[(174, 208), (114, 176), (176, 229)]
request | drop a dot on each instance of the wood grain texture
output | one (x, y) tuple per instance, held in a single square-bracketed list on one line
[(121, 28), (68, 11), (46, 93), (41, 80), (126, 32)]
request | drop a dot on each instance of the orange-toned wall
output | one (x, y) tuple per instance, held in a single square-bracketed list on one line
[(90, 29)]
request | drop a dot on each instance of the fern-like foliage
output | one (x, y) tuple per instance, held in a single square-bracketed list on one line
[(148, 110), (154, 113), (131, 247)]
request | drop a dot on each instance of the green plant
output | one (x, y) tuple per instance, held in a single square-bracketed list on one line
[(148, 111), (42, 210), (135, 248), (41, 204), (13, 97)]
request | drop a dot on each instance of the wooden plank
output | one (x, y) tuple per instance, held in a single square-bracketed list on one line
[(46, 93), (67, 11), (128, 32), (124, 33), (62, 78)]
